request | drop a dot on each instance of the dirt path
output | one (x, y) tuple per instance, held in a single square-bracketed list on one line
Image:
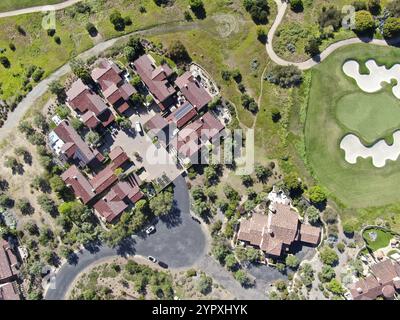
[(305, 65), (44, 8)]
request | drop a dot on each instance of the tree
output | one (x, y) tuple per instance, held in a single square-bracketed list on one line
[(92, 138), (57, 88), (40, 122), (91, 29), (5, 200), (284, 76), (335, 287), (317, 195), (220, 250), (312, 214), (57, 184), (242, 278), (210, 173), (178, 53), (374, 6), (46, 203), (312, 46), (327, 274), (231, 262), (292, 261), (328, 256), (296, 5), (307, 274), (162, 203), (80, 69), (261, 34), (117, 20), (24, 206), (258, 10), (247, 180), (348, 228), (204, 284), (197, 7), (293, 184), (5, 62), (391, 28), (262, 173), (11, 162), (275, 115), (62, 111), (330, 17), (364, 22)]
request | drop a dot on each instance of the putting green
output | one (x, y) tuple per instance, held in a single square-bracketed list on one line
[(336, 107), (370, 116)]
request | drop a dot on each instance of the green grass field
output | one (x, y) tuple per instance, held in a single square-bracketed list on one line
[(382, 238), (8, 5), (370, 116), (360, 185)]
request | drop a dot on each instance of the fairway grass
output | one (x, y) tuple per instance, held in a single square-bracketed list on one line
[(370, 116), (358, 185)]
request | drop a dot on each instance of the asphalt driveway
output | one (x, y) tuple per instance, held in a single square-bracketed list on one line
[(178, 241)]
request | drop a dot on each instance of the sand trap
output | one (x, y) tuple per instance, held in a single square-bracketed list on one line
[(372, 82), (379, 152)]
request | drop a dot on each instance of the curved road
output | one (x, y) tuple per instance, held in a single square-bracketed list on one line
[(305, 65), (55, 7), (178, 241)]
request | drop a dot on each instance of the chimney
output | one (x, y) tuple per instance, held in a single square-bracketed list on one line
[(359, 290), (379, 280), (186, 86), (93, 190), (104, 199), (75, 177)]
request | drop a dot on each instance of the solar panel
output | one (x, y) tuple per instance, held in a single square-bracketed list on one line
[(182, 111)]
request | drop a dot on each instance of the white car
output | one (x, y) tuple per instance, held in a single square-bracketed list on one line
[(150, 229), (138, 127), (152, 259)]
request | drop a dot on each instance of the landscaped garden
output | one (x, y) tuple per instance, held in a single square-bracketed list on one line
[(377, 238)]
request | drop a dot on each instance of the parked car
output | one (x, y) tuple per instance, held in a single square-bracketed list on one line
[(150, 229), (152, 259), (162, 264), (138, 127)]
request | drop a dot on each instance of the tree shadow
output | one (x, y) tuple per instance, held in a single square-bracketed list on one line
[(126, 246), (173, 218), (200, 12)]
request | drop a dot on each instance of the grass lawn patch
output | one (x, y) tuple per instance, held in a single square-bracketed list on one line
[(354, 186), (8, 5), (377, 238)]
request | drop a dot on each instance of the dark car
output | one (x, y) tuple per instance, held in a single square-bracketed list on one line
[(162, 264)]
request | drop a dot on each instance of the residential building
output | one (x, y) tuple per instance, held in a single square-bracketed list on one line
[(182, 115), (193, 91), (275, 232), (82, 99), (69, 146), (81, 186), (156, 79), (383, 281), (8, 263), (9, 291), (158, 127), (113, 85)]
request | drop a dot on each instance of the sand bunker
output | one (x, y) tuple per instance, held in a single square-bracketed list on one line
[(379, 152), (372, 82)]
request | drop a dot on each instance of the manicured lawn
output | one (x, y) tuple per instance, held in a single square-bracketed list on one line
[(370, 116), (354, 186), (382, 238), (8, 5)]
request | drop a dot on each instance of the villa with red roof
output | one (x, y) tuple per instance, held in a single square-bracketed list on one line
[(89, 106), (115, 89), (182, 115), (193, 91), (156, 79)]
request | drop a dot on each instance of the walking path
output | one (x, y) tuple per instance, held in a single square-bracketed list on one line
[(305, 65), (55, 7)]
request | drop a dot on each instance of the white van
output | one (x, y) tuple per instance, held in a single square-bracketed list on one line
[(138, 127)]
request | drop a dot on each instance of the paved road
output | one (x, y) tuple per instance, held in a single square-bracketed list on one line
[(58, 6), (178, 241), (305, 65)]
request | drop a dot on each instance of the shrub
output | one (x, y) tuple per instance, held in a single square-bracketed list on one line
[(312, 46), (258, 10), (364, 22), (296, 5), (292, 261), (391, 28), (285, 76), (317, 195), (330, 17), (328, 256), (91, 29), (117, 20), (312, 214), (275, 115), (5, 62), (374, 6), (205, 284), (178, 53), (394, 8)]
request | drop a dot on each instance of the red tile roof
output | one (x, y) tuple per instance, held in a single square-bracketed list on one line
[(118, 157), (74, 146), (8, 262), (107, 74), (110, 206), (82, 99), (126, 190), (90, 120), (9, 291), (103, 180), (182, 115), (83, 189), (155, 78), (193, 90)]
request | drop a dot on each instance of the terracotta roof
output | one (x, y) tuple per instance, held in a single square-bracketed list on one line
[(83, 189), (90, 120), (104, 179), (9, 291), (82, 99), (114, 94), (74, 145), (182, 115), (8, 261), (383, 280), (309, 234), (126, 190), (271, 232), (110, 206), (155, 78), (118, 157), (193, 90), (107, 74)]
